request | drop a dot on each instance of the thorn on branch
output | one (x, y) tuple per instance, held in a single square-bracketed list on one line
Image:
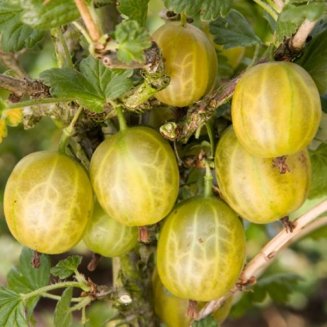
[(242, 284), (192, 310), (271, 255), (144, 236), (288, 225), (94, 262)]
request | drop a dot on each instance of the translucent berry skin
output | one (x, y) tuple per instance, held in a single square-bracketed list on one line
[(173, 310), (255, 187), (276, 109), (135, 176), (48, 202), (108, 237), (190, 62), (201, 249)]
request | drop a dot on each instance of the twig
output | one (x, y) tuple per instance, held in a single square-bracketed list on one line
[(322, 221), (265, 257), (291, 48), (298, 40), (199, 113), (22, 87), (88, 20)]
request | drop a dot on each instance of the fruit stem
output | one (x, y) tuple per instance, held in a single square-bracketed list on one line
[(208, 181), (120, 116), (211, 139), (58, 298), (255, 55), (69, 131), (116, 281), (83, 32)]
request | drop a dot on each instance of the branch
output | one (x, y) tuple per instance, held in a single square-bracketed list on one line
[(265, 257), (298, 41), (22, 87), (199, 113), (291, 48), (88, 20)]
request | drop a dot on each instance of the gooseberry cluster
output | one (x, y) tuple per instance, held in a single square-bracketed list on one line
[(261, 164)]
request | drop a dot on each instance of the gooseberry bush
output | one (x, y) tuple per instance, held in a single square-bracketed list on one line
[(192, 151)]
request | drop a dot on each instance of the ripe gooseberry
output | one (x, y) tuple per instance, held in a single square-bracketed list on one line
[(276, 109), (190, 62), (108, 237), (173, 311), (48, 202), (260, 190), (201, 249), (135, 176)]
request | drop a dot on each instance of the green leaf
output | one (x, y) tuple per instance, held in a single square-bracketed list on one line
[(318, 234), (278, 286), (63, 316), (91, 87), (67, 267), (48, 14), (314, 60), (207, 10), (134, 9), (206, 322), (99, 313), (8, 11), (25, 278), (109, 83), (12, 311), (319, 171), (233, 31), (71, 84), (17, 36), (132, 40), (225, 70), (293, 16), (14, 34)]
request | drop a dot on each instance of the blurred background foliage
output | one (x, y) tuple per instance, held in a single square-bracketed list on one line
[(292, 293)]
